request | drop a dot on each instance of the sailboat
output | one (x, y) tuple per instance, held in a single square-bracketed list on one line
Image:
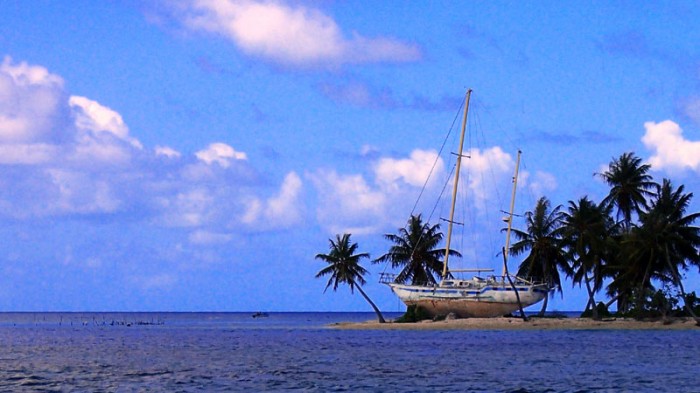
[(477, 297)]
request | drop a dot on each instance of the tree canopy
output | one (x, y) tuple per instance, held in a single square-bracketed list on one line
[(416, 252)]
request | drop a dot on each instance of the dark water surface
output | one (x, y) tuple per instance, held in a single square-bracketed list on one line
[(190, 352)]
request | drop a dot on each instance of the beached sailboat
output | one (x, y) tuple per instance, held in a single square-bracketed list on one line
[(479, 297)]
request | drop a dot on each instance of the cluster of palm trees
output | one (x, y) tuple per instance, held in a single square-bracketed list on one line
[(639, 235)]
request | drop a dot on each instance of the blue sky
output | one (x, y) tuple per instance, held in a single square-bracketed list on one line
[(196, 155)]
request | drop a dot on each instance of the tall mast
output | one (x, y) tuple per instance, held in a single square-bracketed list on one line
[(510, 214), (454, 188)]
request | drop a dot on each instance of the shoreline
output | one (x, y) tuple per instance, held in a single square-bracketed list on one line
[(505, 323)]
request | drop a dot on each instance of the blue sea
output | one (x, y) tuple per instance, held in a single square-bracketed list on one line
[(195, 352)]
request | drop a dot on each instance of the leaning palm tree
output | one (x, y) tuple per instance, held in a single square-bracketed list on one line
[(666, 241), (344, 267), (630, 186), (586, 230), (543, 240), (416, 252)]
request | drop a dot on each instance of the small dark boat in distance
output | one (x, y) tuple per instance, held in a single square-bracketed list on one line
[(260, 314)]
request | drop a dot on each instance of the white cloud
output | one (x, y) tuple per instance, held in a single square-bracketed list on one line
[(294, 35), (413, 170), (484, 169), (281, 211), (31, 106), (188, 208), (220, 153), (64, 157), (284, 207), (96, 167), (166, 151), (348, 202), (100, 149), (540, 183), (25, 74), (40, 124), (91, 116), (253, 211), (61, 171), (28, 154), (79, 193), (671, 151)]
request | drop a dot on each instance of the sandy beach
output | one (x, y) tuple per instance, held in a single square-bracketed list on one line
[(518, 324)]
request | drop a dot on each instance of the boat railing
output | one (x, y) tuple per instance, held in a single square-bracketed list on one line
[(387, 278), (390, 278), (517, 280), (530, 281)]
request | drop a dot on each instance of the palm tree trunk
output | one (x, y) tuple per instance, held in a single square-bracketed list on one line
[(679, 283), (380, 317), (591, 299), (517, 295), (640, 294), (544, 306), (613, 300), (621, 299)]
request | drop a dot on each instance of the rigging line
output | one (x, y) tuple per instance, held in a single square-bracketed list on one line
[(444, 142), (432, 169), (481, 141), (471, 206), (427, 223), (442, 192), (464, 189), (530, 191)]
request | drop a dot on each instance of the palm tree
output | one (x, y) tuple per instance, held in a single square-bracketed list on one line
[(344, 267), (630, 186), (543, 238), (586, 230), (416, 252), (665, 242), (640, 260)]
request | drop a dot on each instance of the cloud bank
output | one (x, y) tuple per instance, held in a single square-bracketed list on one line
[(66, 155)]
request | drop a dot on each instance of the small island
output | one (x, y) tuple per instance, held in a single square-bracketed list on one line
[(513, 323), (639, 264)]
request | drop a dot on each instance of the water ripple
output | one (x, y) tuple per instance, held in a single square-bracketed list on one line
[(192, 358)]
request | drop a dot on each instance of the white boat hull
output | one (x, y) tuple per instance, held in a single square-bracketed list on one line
[(470, 299)]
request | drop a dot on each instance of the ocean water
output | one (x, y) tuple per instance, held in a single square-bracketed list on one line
[(193, 352)]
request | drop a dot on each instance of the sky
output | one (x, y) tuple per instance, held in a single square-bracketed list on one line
[(196, 155)]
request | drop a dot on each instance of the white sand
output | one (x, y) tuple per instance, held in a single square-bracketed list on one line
[(518, 324)]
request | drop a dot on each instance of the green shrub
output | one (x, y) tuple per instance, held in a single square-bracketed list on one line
[(602, 312), (413, 314)]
